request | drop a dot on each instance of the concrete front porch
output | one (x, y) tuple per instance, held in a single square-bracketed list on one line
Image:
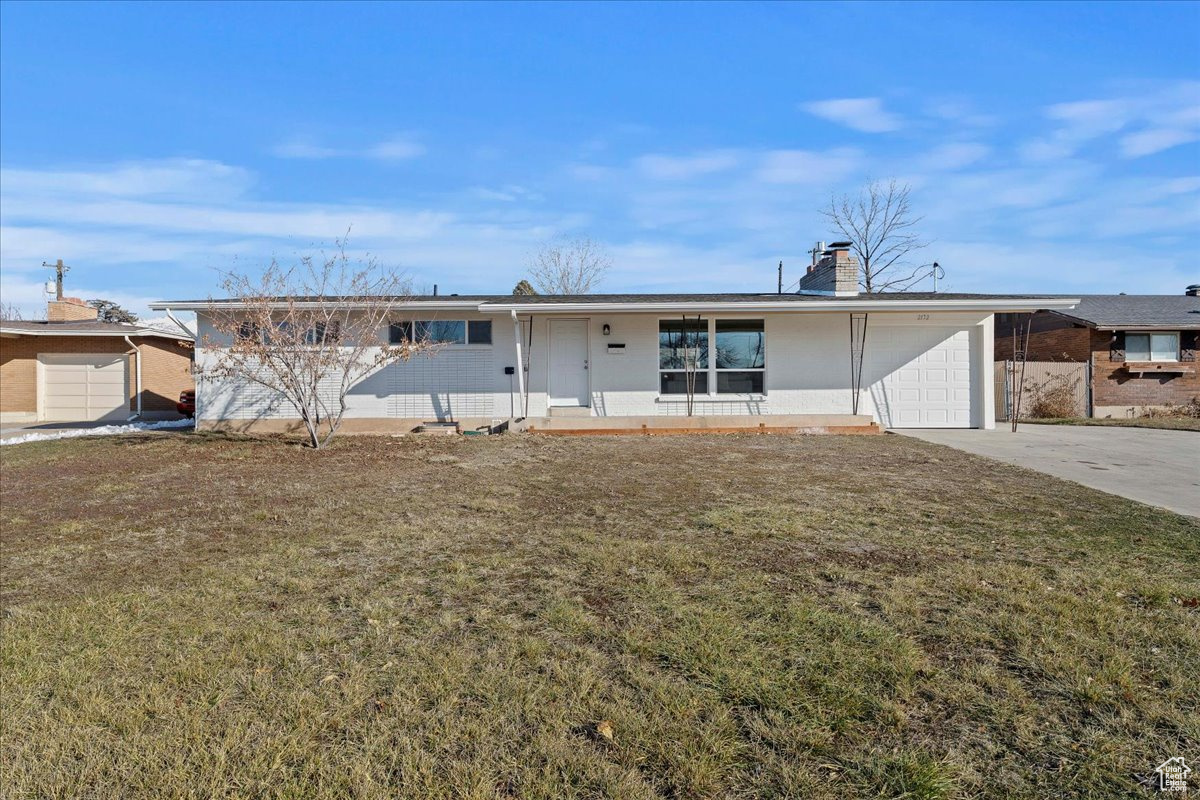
[(663, 425)]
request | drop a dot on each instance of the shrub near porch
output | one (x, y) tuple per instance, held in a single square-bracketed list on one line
[(755, 616)]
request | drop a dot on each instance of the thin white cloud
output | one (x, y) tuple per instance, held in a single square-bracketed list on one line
[(822, 168), (864, 114), (304, 149), (1155, 140), (954, 155), (159, 179), (1147, 122), (396, 148), (675, 168)]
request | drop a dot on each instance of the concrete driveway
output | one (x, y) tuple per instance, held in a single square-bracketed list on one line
[(1161, 468)]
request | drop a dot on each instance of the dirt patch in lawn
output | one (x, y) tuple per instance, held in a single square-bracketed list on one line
[(754, 616)]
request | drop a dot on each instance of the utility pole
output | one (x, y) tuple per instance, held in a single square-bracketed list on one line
[(780, 290), (59, 268)]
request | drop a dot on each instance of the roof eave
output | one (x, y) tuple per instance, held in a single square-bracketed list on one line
[(143, 332), (991, 305)]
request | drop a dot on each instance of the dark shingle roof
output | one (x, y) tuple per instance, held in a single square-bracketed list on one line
[(1137, 310)]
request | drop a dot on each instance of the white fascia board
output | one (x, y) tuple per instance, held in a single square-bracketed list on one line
[(800, 307), (205, 307), (136, 332)]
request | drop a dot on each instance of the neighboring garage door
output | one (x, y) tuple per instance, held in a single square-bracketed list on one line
[(84, 387), (921, 376)]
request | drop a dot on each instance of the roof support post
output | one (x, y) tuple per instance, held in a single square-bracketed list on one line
[(137, 355), (520, 360), (858, 346)]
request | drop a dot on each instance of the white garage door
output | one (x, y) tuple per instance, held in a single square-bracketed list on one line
[(84, 387), (921, 376)]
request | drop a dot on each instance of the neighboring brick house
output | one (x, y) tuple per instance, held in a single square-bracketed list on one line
[(71, 367), (1141, 348)]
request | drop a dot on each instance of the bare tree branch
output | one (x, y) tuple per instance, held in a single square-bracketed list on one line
[(575, 267), (308, 333), (879, 224)]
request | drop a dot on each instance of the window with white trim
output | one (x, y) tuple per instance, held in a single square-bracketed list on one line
[(741, 357), (1151, 346), (683, 349), (441, 331), (737, 363)]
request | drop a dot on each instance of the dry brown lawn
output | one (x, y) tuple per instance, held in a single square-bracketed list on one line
[(203, 616)]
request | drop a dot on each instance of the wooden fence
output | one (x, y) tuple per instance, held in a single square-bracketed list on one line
[(1051, 389)]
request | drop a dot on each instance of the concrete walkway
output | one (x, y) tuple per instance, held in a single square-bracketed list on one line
[(1158, 467)]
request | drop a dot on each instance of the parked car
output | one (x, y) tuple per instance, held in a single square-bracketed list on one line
[(187, 403)]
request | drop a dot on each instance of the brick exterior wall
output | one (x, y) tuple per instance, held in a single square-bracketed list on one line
[(1114, 387), (166, 368), (1115, 390)]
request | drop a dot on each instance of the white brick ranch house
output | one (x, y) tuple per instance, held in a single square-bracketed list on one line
[(613, 361)]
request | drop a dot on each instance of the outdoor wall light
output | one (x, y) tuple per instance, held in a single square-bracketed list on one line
[(607, 329)]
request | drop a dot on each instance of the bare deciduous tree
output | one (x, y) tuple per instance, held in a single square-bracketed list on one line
[(308, 333), (574, 267), (10, 311), (879, 225)]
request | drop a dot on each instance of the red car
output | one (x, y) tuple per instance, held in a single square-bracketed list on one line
[(187, 403)]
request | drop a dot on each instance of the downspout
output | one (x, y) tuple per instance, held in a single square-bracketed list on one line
[(138, 379), (520, 361)]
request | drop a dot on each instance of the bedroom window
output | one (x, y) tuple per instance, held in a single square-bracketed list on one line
[(440, 331), (1151, 346)]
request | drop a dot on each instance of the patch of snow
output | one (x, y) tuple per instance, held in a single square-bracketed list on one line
[(103, 430)]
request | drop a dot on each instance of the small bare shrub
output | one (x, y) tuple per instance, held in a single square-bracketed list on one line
[(1190, 410), (1053, 398)]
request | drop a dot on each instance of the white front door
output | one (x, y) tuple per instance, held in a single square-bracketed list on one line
[(922, 376), (569, 362), (84, 387)]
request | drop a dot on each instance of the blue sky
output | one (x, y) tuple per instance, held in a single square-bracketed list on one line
[(1050, 147)]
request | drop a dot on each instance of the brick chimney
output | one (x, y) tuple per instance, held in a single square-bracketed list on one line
[(70, 309), (834, 271)]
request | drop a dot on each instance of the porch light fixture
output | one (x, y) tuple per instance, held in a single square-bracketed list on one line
[(607, 329)]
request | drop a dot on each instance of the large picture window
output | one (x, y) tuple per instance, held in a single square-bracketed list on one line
[(736, 364), (1152, 347), (441, 331)]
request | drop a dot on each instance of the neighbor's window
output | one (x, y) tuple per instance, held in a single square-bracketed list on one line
[(682, 345), (741, 356), (441, 331), (1152, 347)]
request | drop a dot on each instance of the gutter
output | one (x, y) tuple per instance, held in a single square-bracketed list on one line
[(138, 358), (793, 306), (833, 305)]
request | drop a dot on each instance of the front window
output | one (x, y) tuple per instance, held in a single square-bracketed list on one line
[(737, 365), (1152, 347), (683, 356), (441, 331), (741, 356)]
